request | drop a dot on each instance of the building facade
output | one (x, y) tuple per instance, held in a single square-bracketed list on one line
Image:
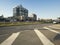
[(20, 12), (32, 17)]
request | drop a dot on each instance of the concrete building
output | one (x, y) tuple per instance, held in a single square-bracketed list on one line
[(21, 18), (19, 12), (32, 17)]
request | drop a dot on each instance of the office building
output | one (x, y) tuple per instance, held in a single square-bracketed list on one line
[(20, 12)]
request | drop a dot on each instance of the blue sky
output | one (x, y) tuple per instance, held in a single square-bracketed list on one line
[(43, 8)]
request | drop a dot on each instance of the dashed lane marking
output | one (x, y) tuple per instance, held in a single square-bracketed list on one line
[(52, 30), (43, 38), (11, 39)]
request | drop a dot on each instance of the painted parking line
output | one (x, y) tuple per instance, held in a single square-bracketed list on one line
[(11, 39), (52, 30), (43, 38)]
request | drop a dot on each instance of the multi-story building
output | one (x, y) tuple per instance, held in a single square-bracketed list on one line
[(20, 12)]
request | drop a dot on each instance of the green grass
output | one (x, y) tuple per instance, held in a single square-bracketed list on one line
[(18, 23)]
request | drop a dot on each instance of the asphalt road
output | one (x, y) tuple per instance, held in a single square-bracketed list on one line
[(39, 34)]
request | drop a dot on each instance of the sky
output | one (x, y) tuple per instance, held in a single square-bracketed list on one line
[(42, 8)]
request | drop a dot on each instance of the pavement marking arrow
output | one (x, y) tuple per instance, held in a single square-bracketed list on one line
[(52, 30), (11, 39), (43, 38)]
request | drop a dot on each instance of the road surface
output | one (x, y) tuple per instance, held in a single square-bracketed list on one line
[(39, 34)]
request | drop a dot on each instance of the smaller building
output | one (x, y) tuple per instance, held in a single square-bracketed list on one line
[(21, 18), (32, 17), (11, 19)]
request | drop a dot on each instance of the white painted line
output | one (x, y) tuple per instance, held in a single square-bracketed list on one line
[(52, 30), (11, 39), (43, 38), (54, 27)]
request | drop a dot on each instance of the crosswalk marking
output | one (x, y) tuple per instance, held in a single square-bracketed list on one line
[(43, 38), (11, 39), (54, 27), (52, 30)]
